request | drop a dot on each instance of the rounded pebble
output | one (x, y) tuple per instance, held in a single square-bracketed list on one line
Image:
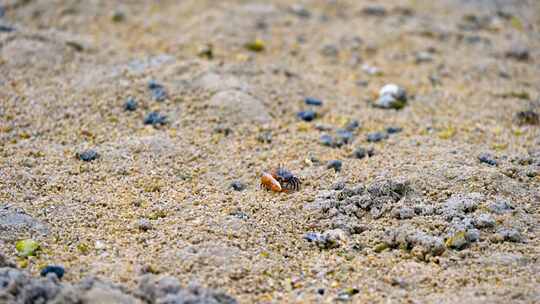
[(313, 101), (308, 115), (334, 164), (88, 155), (57, 270)]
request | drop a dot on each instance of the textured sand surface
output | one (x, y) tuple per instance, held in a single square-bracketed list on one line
[(159, 198)]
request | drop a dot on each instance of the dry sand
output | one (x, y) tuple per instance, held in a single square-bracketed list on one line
[(159, 199)]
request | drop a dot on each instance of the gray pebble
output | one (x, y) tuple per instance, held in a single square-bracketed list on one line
[(376, 136), (144, 224), (334, 164), (484, 220), (510, 234)]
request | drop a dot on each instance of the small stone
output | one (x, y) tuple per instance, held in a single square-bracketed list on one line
[(256, 45), (326, 140), (238, 186), (393, 130), (118, 16), (330, 50), (376, 136), (56, 270), (529, 117), (206, 51), (334, 164), (338, 186), (313, 101), (422, 57), (265, 137), (308, 115), (320, 291), (130, 105), (391, 96), (158, 91), (405, 213), (457, 241), (6, 28), (371, 70), (511, 235), (518, 52), (144, 225), (347, 294), (154, 119), (328, 240), (353, 125), (487, 158), (300, 11), (484, 220), (88, 155), (374, 10), (343, 137), (501, 206), (361, 152), (380, 247)]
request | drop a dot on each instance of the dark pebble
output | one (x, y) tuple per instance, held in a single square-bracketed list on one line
[(154, 118), (307, 115), (376, 136), (487, 159), (518, 52), (326, 140), (393, 130), (343, 137), (320, 291), (6, 29), (313, 101), (527, 118), (158, 91), (374, 10), (238, 186), (361, 152), (57, 270), (130, 105), (265, 137), (88, 155), (334, 164), (353, 125)]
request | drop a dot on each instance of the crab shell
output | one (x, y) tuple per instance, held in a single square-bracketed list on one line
[(270, 183)]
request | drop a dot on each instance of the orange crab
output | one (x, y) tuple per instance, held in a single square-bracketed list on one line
[(280, 180)]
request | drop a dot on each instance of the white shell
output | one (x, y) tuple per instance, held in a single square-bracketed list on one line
[(391, 89)]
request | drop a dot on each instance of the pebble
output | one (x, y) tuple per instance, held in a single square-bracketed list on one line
[(57, 270), (391, 96), (158, 91), (308, 115), (528, 117), (422, 57), (371, 70), (393, 130), (6, 28), (353, 125), (501, 206), (484, 220), (300, 11), (343, 137), (326, 140), (518, 52), (457, 241), (313, 101), (130, 105), (361, 152), (154, 119), (374, 10), (334, 164), (376, 136), (88, 155), (144, 224), (327, 240), (509, 234), (238, 186), (487, 158)]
